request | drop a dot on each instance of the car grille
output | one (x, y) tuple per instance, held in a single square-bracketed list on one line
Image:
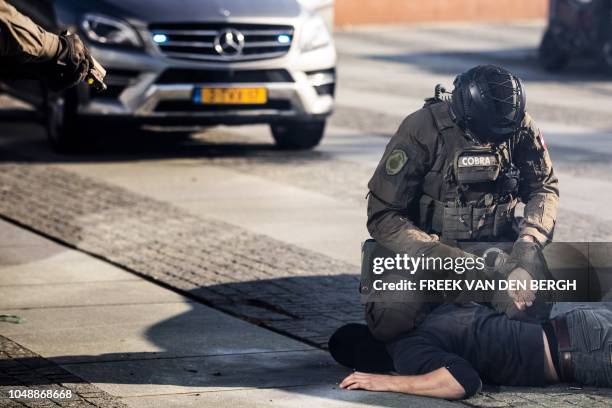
[(206, 41), (200, 76)]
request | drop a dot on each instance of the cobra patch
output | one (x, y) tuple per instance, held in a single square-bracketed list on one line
[(396, 161), (476, 161)]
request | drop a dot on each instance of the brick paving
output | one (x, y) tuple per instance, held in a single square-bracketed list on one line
[(266, 281), (22, 369), (556, 396), (293, 291)]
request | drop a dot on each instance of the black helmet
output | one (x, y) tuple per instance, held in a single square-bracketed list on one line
[(489, 101)]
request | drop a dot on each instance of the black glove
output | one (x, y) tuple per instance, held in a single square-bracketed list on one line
[(528, 255), (71, 66), (503, 303), (539, 313)]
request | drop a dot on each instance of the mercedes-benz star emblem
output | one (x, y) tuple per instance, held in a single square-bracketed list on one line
[(229, 42)]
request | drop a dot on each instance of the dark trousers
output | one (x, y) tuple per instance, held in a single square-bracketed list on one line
[(590, 334)]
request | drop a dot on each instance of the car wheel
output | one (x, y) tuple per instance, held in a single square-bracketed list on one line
[(552, 57), (606, 57), (298, 135), (65, 132)]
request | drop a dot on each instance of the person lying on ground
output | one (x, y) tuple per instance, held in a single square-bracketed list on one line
[(459, 347)]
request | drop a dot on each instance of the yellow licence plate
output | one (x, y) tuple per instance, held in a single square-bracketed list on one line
[(231, 96)]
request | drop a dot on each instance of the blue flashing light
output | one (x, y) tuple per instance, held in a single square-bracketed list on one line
[(160, 38), (283, 39)]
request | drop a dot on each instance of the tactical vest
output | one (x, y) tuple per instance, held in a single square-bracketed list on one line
[(470, 192)]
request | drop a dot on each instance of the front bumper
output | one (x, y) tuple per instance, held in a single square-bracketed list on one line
[(140, 89)]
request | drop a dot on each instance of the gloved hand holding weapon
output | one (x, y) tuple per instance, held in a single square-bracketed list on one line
[(74, 64), (29, 51)]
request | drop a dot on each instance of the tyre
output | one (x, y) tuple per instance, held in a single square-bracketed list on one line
[(65, 131), (298, 135), (606, 57), (552, 57)]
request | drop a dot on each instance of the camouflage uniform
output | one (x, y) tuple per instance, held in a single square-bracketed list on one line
[(435, 186)]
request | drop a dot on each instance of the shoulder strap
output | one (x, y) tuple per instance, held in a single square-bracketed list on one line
[(441, 116), (453, 139)]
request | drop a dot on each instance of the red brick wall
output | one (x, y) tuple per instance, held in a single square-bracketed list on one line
[(349, 12)]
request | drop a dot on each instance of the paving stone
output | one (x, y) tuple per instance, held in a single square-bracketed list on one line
[(247, 272), (42, 374), (136, 332), (212, 373), (320, 396)]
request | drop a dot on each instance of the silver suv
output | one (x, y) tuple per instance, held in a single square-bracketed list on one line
[(195, 62)]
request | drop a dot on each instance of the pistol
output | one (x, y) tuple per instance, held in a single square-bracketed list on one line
[(95, 76)]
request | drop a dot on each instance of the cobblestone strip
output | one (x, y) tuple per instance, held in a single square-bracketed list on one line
[(297, 292), (23, 370), (556, 396)]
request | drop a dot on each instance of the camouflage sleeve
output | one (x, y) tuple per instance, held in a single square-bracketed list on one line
[(23, 39), (396, 184), (539, 187)]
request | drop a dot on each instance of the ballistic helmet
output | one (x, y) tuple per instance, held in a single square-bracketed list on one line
[(488, 101)]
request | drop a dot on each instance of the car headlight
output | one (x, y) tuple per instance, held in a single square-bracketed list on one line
[(108, 30), (314, 34)]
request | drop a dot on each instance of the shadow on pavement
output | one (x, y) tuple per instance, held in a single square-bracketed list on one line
[(22, 140), (208, 358)]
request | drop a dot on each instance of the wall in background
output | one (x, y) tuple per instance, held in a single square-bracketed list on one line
[(351, 12)]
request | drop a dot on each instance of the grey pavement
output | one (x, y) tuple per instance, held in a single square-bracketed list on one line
[(271, 236), (134, 343)]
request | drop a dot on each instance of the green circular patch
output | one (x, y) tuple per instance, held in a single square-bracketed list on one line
[(396, 161)]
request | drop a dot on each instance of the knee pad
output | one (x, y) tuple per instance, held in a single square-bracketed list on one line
[(354, 346), (387, 321)]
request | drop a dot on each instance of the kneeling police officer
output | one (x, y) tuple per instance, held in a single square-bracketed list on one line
[(453, 173)]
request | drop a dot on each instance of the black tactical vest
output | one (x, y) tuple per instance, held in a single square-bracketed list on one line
[(470, 191)]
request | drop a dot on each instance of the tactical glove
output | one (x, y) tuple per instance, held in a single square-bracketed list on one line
[(528, 263), (539, 313), (522, 296), (528, 255), (71, 65)]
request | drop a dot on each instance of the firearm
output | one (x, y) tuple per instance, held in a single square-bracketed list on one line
[(95, 76)]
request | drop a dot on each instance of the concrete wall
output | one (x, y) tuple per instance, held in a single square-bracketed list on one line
[(350, 12)]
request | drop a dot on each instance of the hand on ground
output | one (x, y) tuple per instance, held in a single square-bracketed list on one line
[(369, 382)]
